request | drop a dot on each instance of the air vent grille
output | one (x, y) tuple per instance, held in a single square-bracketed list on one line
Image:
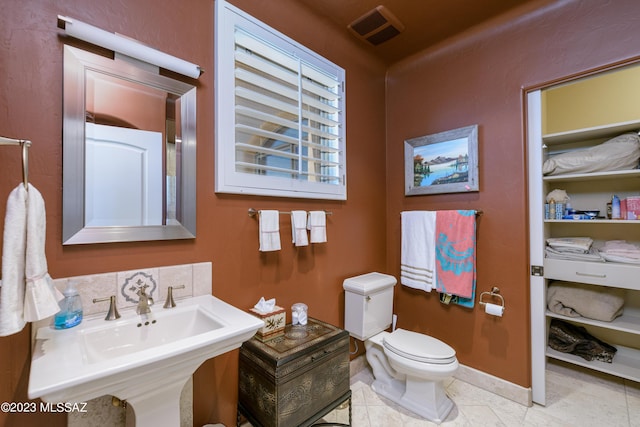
[(377, 26), (368, 23)]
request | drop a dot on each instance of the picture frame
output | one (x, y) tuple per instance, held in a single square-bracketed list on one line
[(446, 162)]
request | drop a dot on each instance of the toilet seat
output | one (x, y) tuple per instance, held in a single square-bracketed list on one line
[(419, 347)]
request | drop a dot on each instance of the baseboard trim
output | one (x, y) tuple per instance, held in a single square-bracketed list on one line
[(503, 388)]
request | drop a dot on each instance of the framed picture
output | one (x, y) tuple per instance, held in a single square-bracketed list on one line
[(445, 162)]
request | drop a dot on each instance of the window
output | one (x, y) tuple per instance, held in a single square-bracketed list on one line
[(279, 113)]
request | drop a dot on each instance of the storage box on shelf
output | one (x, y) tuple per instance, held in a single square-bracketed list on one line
[(631, 207)]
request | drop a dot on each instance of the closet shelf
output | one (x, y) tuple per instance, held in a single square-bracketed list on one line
[(626, 362), (594, 221), (628, 322), (604, 131), (593, 176)]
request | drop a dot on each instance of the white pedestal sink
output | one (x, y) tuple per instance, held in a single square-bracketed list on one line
[(143, 360)]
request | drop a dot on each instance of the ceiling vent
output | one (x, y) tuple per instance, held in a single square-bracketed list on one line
[(377, 26)]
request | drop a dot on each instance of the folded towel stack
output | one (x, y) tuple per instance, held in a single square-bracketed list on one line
[(582, 249), (577, 299), (572, 248), (620, 251), (570, 244)]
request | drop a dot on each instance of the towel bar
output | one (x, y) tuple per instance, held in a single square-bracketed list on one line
[(253, 212), (478, 212), (25, 144)]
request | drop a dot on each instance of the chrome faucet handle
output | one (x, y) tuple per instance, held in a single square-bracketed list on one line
[(112, 314), (170, 303), (142, 293), (144, 302)]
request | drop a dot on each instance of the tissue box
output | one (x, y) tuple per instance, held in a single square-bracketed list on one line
[(273, 323)]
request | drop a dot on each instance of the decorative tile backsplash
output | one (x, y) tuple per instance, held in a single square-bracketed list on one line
[(196, 279), (136, 283)]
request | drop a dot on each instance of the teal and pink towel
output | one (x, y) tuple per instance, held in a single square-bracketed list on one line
[(455, 248), (438, 252)]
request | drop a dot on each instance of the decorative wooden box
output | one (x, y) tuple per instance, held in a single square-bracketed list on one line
[(274, 323), (295, 379)]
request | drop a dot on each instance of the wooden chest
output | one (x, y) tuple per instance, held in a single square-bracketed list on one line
[(294, 379)]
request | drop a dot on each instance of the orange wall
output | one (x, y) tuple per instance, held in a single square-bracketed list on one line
[(31, 108), (479, 79)]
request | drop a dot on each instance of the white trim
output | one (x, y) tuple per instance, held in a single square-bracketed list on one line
[(537, 288), (230, 177), (495, 385)]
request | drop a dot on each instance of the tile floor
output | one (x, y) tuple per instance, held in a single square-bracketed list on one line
[(575, 397)]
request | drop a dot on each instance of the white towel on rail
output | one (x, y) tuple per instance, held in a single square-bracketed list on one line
[(23, 255), (269, 230), (317, 226), (417, 255), (13, 262), (299, 228), (41, 296)]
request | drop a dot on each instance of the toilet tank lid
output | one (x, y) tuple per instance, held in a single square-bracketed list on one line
[(369, 283)]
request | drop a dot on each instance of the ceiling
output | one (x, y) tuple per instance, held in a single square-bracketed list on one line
[(426, 22)]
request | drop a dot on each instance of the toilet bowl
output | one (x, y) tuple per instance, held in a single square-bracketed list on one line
[(409, 368), (419, 355), (416, 385)]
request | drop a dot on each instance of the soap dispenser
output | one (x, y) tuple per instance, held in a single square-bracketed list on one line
[(70, 313)]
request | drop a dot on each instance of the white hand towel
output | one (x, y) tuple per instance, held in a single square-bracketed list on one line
[(317, 226), (41, 296), (299, 228), (269, 230), (13, 263), (417, 257), (27, 292)]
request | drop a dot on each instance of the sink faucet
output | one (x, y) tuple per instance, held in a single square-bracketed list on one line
[(170, 303), (144, 302), (112, 314)]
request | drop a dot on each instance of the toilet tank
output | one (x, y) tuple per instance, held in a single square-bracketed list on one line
[(368, 304)]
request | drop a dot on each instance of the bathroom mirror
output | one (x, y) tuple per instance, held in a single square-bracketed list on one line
[(129, 152)]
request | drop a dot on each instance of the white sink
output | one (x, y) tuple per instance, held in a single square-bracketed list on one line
[(107, 342), (145, 360)]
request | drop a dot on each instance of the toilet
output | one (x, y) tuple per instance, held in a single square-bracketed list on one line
[(409, 367)]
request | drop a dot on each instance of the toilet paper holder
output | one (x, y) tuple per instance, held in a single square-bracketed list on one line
[(495, 292)]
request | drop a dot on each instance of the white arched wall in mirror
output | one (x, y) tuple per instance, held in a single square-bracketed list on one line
[(139, 126)]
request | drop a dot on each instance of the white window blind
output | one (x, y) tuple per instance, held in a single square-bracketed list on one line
[(279, 114)]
